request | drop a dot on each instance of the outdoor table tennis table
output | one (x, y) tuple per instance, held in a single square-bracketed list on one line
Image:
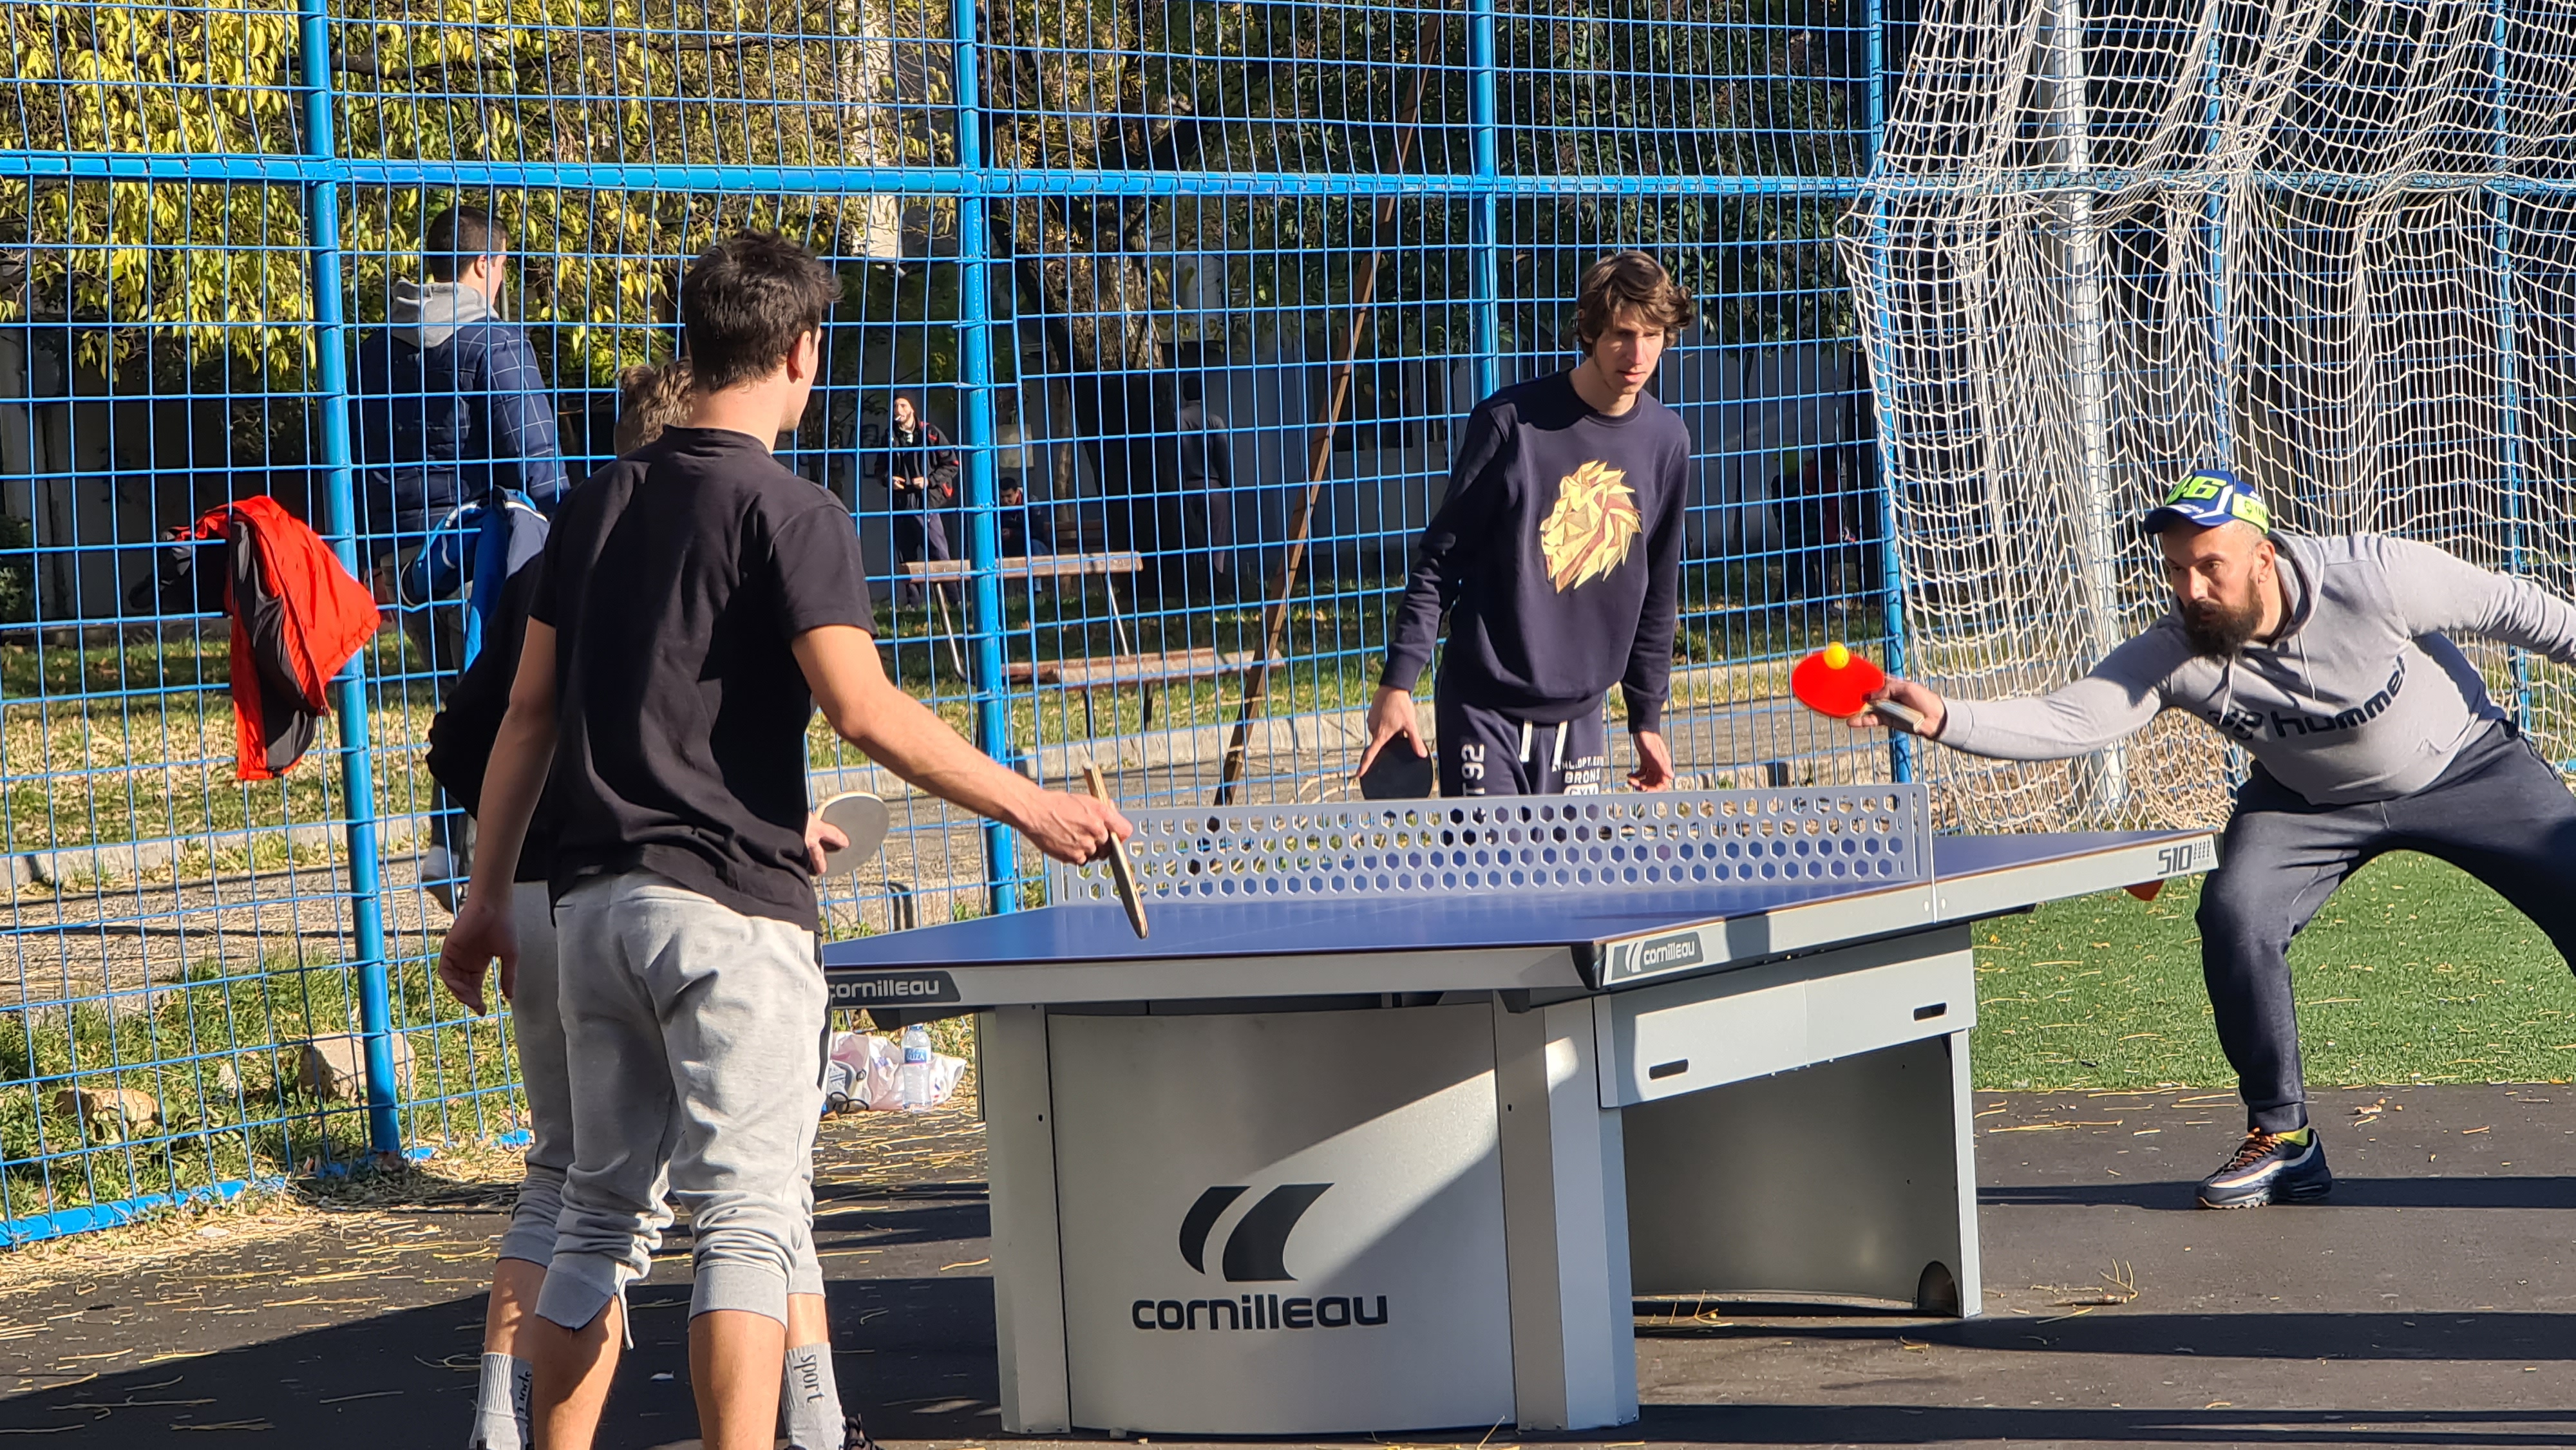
[(1403, 1103)]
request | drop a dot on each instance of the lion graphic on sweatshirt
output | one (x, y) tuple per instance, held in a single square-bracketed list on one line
[(1588, 533)]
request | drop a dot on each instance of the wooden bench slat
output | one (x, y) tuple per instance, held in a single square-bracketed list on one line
[(1121, 671), (1031, 566)]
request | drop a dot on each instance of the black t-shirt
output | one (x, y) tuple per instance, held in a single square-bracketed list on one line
[(676, 579)]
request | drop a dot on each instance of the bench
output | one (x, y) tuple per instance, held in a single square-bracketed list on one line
[(1054, 568), (1134, 671), (1124, 669)]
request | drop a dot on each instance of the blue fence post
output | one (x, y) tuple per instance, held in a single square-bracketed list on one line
[(975, 382), (1891, 557), (366, 884), (1485, 329)]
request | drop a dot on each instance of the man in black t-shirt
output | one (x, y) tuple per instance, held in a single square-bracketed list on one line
[(650, 399), (698, 602)]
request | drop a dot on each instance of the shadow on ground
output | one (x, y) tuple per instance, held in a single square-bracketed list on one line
[(917, 1352)]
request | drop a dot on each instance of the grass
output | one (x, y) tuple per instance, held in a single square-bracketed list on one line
[(110, 743), (215, 1053), (2413, 973)]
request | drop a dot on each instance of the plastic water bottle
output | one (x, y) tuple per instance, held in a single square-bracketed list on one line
[(912, 1087)]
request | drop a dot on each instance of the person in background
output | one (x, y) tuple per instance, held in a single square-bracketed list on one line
[(446, 409), (919, 471), (1026, 528), (1198, 513), (1818, 540)]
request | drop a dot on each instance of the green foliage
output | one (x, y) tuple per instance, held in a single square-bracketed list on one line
[(222, 270), (201, 274)]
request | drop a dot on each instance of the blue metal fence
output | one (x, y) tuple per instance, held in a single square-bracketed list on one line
[(1195, 292)]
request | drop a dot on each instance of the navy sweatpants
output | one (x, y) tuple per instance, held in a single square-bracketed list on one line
[(2499, 813), (1488, 752)]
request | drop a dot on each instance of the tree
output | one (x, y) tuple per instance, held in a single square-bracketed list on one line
[(196, 278)]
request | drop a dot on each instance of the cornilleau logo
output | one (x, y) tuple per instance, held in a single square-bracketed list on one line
[(1668, 951), (1256, 1252), (1656, 955)]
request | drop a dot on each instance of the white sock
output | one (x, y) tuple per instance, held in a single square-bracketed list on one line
[(501, 1404), (808, 1399)]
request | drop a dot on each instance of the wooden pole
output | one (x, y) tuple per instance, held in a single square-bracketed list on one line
[(1256, 680)]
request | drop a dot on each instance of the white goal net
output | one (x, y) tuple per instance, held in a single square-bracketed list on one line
[(2332, 245)]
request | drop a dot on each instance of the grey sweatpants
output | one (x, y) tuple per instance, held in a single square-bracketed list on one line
[(536, 1022), (2498, 812), (693, 1039)]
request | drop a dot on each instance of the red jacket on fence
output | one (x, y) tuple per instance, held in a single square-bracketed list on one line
[(298, 615)]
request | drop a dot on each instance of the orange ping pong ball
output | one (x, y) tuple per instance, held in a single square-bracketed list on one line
[(1836, 656)]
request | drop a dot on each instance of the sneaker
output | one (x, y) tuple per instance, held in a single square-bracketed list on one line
[(2269, 1168), (854, 1436)]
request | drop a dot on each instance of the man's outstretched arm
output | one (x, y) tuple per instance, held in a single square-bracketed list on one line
[(2116, 700), (2438, 592), (900, 733)]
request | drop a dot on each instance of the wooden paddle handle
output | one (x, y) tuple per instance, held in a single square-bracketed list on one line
[(1906, 715), (1121, 870)]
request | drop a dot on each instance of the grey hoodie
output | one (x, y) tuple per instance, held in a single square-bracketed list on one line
[(2362, 697), (426, 314)]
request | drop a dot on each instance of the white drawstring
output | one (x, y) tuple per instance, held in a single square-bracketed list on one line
[(1561, 730), (1525, 742)]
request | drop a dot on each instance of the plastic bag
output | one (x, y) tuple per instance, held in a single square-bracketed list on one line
[(862, 1071)]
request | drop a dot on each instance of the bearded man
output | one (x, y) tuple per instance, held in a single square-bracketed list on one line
[(2329, 660)]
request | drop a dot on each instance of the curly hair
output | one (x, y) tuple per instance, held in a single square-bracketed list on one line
[(650, 398), (1630, 282)]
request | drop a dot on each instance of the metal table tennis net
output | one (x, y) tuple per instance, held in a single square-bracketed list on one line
[(1859, 835)]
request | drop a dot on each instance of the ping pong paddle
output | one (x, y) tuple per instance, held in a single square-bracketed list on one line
[(1121, 870), (1834, 681), (861, 817), (1397, 774)]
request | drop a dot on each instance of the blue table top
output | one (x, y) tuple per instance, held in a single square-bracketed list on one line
[(1094, 932)]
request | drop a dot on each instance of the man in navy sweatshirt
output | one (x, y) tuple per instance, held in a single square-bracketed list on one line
[(447, 403), (1557, 556)]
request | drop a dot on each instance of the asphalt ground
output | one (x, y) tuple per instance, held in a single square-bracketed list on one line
[(2431, 1302)]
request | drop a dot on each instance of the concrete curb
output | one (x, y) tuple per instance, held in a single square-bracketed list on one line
[(126, 860)]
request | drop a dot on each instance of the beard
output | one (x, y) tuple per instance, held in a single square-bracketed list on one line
[(2218, 632)]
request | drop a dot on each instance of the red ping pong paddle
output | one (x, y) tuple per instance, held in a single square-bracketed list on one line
[(1835, 681)]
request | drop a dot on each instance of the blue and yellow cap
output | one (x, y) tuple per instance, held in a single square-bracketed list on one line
[(2211, 497)]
